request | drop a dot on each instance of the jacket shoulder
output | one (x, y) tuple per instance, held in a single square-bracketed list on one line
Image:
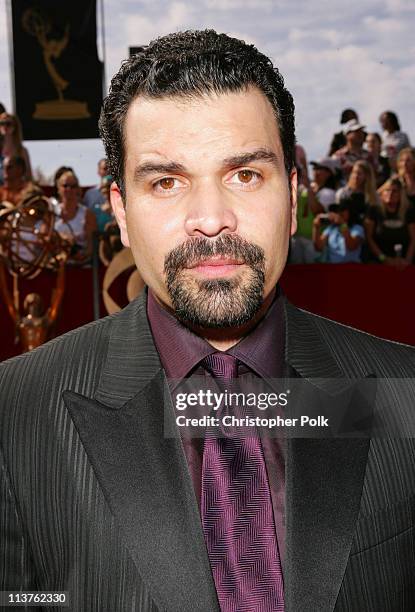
[(72, 342), (73, 359), (384, 357)]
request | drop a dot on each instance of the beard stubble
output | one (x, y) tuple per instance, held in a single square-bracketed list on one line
[(219, 302)]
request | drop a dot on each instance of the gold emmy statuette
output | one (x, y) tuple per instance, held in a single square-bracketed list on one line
[(34, 326), (28, 245), (61, 108)]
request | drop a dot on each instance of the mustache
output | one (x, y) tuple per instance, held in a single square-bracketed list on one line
[(194, 250)]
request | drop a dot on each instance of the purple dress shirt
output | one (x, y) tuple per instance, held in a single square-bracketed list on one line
[(261, 352)]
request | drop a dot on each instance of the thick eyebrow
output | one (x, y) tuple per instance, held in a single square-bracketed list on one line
[(244, 159), (171, 167), (146, 168)]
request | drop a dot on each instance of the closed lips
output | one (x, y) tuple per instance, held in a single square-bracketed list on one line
[(217, 262)]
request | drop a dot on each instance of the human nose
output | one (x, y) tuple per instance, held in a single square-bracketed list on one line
[(211, 213)]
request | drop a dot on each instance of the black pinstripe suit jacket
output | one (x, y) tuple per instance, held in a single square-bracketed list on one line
[(95, 501)]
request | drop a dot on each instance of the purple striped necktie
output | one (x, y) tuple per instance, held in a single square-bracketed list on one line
[(237, 516)]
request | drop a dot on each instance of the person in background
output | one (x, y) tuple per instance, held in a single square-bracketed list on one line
[(342, 239), (361, 181), (302, 248), (12, 145), (390, 227), (393, 140), (406, 172), (16, 186), (301, 163), (381, 167), (324, 183), (2, 110), (53, 200), (75, 221), (93, 197), (353, 150), (339, 139), (104, 214)]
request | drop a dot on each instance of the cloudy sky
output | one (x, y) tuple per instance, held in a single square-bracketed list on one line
[(332, 53)]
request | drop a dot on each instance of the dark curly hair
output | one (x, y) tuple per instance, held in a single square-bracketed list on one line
[(192, 63)]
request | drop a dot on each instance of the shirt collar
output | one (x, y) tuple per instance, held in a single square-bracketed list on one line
[(181, 350)]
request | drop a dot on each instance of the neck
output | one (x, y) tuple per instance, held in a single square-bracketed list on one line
[(354, 148), (8, 141), (69, 209), (14, 184)]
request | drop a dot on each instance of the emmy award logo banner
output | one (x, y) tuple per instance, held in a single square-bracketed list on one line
[(57, 73)]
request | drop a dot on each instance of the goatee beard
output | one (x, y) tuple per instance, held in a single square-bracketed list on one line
[(219, 302)]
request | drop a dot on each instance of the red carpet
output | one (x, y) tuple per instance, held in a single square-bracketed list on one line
[(374, 298)]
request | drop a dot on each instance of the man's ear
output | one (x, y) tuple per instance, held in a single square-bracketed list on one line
[(293, 193), (118, 207)]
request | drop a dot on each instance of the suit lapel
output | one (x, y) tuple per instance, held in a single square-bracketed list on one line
[(132, 360), (147, 484), (324, 479), (144, 476)]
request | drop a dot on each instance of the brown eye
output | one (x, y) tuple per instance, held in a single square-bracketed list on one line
[(245, 176), (167, 183)]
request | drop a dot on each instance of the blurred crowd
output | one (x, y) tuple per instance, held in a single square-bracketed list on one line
[(359, 203), (355, 204), (79, 213)]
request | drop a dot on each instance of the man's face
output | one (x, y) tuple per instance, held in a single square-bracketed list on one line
[(321, 174), (209, 207), (356, 137)]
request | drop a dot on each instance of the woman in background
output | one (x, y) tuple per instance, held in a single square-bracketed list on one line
[(360, 186), (373, 144), (390, 226), (75, 222), (53, 200), (12, 140), (301, 246), (406, 172), (393, 139)]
